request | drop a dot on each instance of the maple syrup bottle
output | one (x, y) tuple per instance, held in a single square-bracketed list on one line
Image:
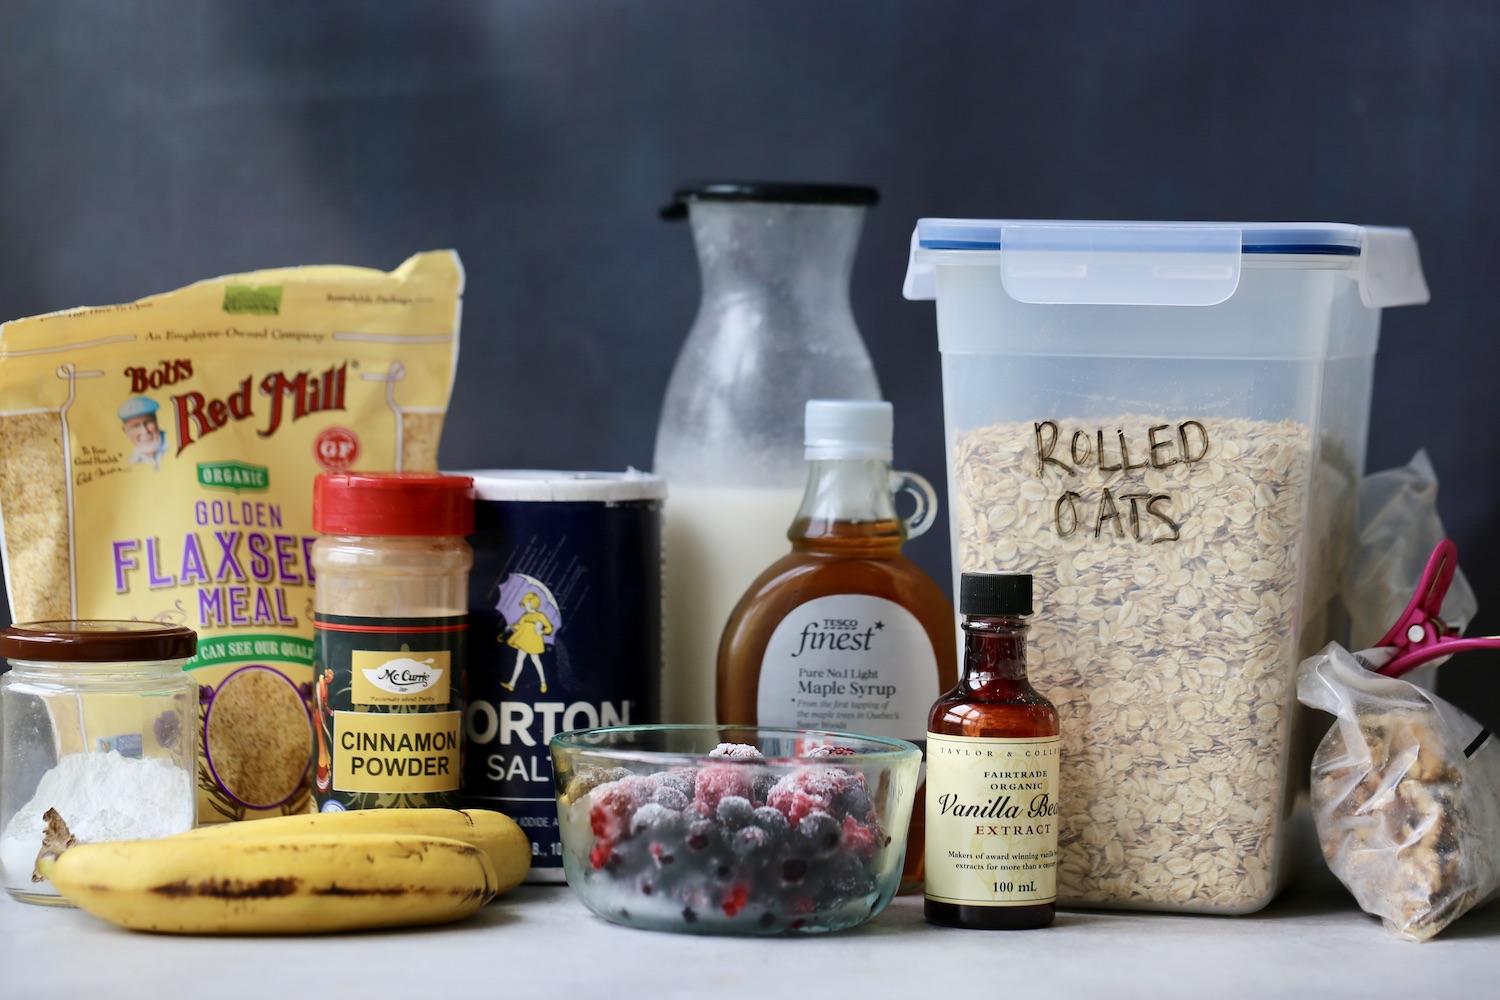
[(844, 632), (992, 765)]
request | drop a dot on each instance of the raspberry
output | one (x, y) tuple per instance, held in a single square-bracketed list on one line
[(615, 803), (741, 750), (734, 902), (808, 790), (714, 783), (602, 854), (859, 839)]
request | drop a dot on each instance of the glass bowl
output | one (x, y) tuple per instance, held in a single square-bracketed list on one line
[(733, 829)]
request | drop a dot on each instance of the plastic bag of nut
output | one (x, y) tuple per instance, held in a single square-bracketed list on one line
[(1405, 794)]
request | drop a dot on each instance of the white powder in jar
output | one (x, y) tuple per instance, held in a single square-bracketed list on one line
[(101, 796)]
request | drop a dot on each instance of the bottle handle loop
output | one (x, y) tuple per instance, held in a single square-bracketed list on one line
[(922, 492)]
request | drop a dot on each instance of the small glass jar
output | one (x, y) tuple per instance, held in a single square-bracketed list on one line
[(100, 731), (390, 619)]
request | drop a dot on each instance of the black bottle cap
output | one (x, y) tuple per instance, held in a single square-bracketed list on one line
[(990, 594), (772, 191)]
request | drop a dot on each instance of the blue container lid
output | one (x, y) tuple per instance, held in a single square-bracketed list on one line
[(1157, 263)]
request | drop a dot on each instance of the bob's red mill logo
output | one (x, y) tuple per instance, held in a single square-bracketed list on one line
[(289, 397)]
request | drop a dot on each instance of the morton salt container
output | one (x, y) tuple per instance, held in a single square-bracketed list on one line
[(565, 622), (1165, 423)]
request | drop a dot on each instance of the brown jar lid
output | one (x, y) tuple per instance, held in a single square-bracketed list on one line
[(97, 641)]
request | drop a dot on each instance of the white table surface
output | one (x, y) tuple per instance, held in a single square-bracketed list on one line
[(537, 941)]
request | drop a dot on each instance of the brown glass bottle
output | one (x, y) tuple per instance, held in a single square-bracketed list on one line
[(846, 547), (994, 701)]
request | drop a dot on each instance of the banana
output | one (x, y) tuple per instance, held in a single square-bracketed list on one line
[(494, 833), (307, 883)]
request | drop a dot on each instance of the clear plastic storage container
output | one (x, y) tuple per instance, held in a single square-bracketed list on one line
[(1165, 423)]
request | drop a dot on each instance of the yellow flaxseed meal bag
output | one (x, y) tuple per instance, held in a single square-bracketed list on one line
[(157, 461)]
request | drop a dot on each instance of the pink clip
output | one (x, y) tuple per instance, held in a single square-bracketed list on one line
[(1420, 634)]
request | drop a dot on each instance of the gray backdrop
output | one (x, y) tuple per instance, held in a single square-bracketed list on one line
[(145, 145)]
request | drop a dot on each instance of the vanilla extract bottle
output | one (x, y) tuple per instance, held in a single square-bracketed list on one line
[(993, 747), (845, 632)]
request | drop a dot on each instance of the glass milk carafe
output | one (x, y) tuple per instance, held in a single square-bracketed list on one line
[(774, 329)]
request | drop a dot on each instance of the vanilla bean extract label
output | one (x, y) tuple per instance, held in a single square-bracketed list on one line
[(992, 809), (1070, 457), (849, 662)]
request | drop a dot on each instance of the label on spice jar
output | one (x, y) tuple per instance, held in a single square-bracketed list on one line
[(991, 820), (849, 662), (389, 695)]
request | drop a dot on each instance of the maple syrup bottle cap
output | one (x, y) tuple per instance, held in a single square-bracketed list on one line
[(848, 428), (989, 595)]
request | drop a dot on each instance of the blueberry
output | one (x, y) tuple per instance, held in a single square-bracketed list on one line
[(751, 842), (772, 821), (671, 797), (793, 870), (820, 831), (853, 801), (656, 818), (700, 833), (735, 812)]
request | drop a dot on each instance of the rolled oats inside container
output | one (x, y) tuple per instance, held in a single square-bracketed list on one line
[(1164, 424)]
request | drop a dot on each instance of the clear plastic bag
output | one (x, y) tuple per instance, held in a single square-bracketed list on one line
[(1405, 794), (1398, 526)]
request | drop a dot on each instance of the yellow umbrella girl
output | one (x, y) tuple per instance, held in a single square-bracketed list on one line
[(530, 612)]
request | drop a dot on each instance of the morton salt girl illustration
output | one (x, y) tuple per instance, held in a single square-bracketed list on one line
[(530, 627), (992, 767), (844, 632), (390, 618)]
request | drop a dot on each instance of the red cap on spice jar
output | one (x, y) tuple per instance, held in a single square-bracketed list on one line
[(393, 503)]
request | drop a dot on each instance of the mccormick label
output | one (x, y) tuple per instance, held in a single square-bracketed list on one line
[(389, 701), (565, 632)]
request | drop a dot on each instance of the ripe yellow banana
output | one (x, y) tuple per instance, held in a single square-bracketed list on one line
[(494, 833), (309, 883)]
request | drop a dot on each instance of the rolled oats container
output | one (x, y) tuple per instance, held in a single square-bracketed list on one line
[(1164, 423)]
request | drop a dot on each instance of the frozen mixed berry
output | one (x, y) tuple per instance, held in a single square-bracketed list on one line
[(672, 798), (586, 779), (615, 803), (860, 840), (701, 834), (680, 778), (714, 783), (735, 811), (751, 842), (762, 785), (656, 818), (773, 821), (808, 790), (740, 750), (830, 751), (820, 833)]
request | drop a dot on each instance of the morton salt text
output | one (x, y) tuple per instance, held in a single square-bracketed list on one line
[(241, 571), (521, 725)]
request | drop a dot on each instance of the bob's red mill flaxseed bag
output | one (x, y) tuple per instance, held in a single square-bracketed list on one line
[(157, 461)]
